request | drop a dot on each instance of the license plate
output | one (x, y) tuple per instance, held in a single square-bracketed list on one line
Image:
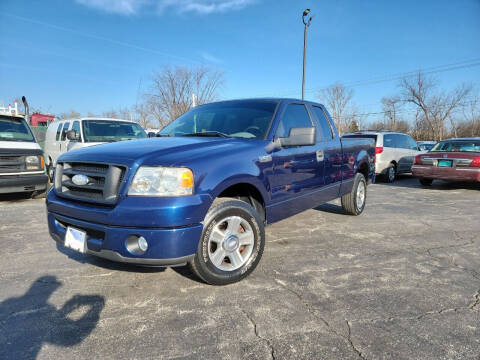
[(444, 163), (75, 239)]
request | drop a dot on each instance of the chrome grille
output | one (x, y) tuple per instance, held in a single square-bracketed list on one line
[(12, 163), (104, 181)]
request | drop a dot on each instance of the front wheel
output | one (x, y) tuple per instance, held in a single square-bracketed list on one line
[(353, 203), (50, 172), (232, 242)]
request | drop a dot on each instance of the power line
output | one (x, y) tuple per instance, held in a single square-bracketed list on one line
[(398, 76), (102, 38)]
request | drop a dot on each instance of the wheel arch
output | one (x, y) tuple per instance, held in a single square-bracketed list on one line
[(243, 190)]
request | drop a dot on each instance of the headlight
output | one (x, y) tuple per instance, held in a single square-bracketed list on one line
[(162, 181), (34, 162)]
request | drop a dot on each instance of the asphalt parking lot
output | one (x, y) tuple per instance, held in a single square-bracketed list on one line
[(401, 281)]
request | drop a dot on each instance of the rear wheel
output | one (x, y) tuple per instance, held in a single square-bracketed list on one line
[(390, 174), (232, 242), (353, 203), (425, 182)]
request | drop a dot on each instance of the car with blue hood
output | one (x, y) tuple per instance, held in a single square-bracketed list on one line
[(203, 191)]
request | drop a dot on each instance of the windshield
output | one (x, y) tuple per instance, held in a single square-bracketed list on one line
[(14, 129), (457, 146), (109, 131), (249, 119), (425, 146)]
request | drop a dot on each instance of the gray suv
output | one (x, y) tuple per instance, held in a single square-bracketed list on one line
[(394, 152)]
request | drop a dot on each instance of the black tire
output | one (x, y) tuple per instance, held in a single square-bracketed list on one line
[(349, 201), (202, 264), (390, 174), (38, 194), (425, 182), (50, 171)]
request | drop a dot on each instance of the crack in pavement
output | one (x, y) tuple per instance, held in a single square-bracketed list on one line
[(311, 310), (476, 302), (359, 353), (255, 330)]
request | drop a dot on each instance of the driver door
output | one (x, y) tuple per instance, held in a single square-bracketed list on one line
[(297, 170)]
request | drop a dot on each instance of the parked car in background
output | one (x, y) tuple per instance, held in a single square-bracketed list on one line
[(452, 160), (21, 158), (67, 135), (426, 145), (204, 191), (394, 152)]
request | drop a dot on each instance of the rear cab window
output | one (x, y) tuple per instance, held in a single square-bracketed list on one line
[(324, 130)]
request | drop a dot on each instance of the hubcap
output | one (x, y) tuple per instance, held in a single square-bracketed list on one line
[(360, 195), (391, 174), (230, 243)]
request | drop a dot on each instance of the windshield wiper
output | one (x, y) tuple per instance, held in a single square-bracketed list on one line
[(209, 134)]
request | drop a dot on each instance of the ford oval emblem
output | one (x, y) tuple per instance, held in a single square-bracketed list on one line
[(445, 155), (80, 179)]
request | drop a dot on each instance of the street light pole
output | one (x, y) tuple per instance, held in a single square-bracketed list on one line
[(306, 24)]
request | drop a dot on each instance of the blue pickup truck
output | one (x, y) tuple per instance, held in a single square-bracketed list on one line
[(203, 191)]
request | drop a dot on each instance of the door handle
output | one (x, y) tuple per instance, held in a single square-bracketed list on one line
[(320, 155)]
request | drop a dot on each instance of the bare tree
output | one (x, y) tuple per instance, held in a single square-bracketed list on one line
[(72, 114), (470, 126), (170, 91), (391, 107), (337, 98), (143, 115), (436, 107)]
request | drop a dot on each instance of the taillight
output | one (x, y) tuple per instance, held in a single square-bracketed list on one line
[(475, 162), (378, 150), (418, 160)]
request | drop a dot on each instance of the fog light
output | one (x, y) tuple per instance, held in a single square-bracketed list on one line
[(142, 243), (136, 245)]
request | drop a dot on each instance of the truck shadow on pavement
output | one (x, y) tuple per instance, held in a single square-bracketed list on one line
[(29, 321), (13, 197), (182, 270)]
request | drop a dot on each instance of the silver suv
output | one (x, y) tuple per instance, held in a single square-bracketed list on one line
[(394, 152)]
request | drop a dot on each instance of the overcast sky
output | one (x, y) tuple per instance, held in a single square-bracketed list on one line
[(93, 55)]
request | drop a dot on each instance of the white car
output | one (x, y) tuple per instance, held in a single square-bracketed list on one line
[(394, 152), (66, 135)]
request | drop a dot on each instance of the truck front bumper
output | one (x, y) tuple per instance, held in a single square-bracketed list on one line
[(166, 246), (22, 183)]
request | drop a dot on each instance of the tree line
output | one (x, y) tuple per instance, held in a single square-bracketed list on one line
[(420, 107)]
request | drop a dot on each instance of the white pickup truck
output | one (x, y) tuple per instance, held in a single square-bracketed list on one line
[(21, 158)]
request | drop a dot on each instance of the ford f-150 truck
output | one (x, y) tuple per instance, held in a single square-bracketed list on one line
[(203, 191)]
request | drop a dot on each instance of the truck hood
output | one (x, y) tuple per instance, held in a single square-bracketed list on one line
[(167, 151), (21, 145)]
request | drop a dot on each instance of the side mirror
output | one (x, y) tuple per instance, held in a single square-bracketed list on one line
[(151, 134), (72, 135), (298, 136)]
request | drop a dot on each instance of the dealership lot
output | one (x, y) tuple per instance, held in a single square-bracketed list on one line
[(400, 281)]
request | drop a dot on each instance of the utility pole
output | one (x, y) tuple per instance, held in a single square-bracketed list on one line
[(306, 24)]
